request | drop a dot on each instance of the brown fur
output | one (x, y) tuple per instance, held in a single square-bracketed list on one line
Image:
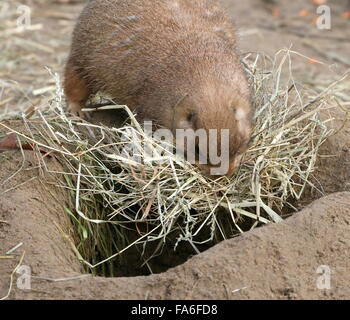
[(166, 60)]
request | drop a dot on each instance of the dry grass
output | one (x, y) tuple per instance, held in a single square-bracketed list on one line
[(112, 195)]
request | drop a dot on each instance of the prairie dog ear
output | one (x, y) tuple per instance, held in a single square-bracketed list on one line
[(242, 110), (240, 114)]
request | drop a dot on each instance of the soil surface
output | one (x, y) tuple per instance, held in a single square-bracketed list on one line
[(280, 261), (291, 260)]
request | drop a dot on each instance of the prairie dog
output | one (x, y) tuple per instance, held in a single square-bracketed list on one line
[(171, 61)]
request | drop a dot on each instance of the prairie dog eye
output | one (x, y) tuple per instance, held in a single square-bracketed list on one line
[(190, 117)]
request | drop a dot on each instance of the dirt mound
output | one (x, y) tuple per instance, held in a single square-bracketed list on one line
[(279, 261)]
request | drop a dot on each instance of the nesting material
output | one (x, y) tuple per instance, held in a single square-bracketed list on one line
[(168, 196)]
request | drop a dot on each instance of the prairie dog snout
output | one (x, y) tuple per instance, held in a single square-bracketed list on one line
[(171, 61)]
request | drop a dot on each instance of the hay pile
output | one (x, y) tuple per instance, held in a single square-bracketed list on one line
[(112, 195)]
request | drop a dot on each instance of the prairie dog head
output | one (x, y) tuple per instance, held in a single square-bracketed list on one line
[(213, 129)]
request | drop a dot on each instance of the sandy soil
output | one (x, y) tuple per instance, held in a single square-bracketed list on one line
[(31, 208), (289, 253)]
